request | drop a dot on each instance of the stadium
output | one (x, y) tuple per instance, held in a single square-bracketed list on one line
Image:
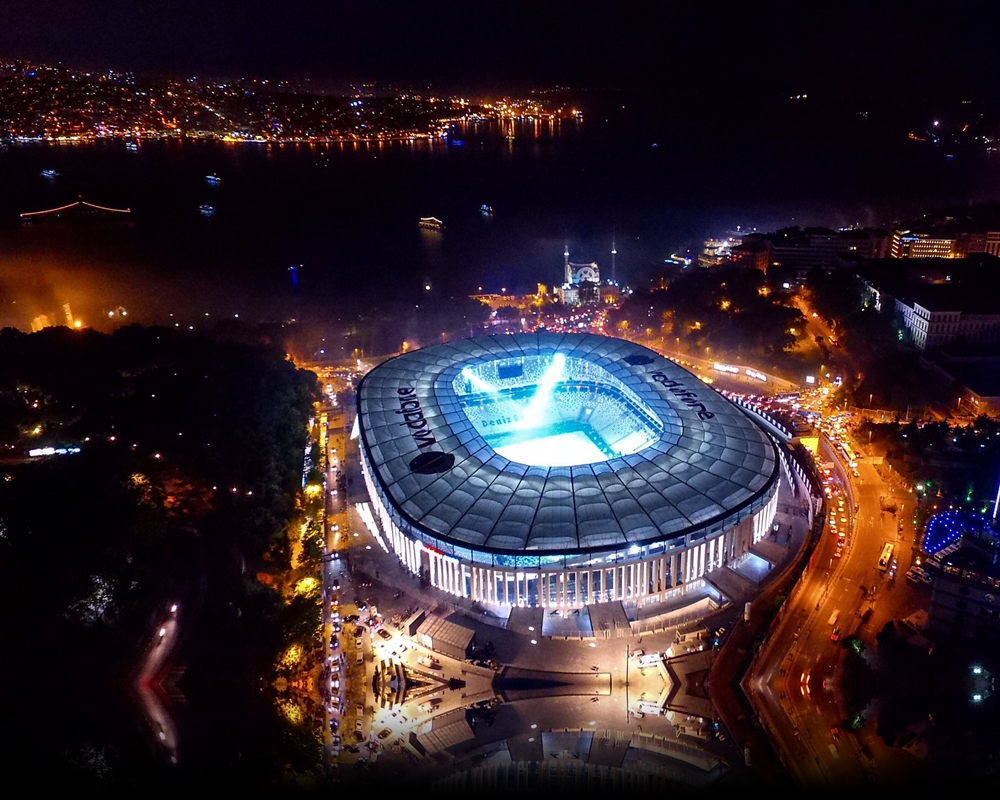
[(560, 470)]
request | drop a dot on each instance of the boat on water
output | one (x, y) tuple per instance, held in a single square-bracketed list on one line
[(213, 179), (431, 224), (51, 174), (133, 146), (487, 210), (206, 210)]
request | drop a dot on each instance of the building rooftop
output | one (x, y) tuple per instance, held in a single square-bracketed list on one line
[(707, 464)]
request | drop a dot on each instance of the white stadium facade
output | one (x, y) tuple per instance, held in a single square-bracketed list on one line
[(560, 470)]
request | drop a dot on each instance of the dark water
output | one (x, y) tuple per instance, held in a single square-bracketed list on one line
[(657, 174)]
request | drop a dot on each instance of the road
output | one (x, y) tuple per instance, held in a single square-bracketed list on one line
[(799, 681)]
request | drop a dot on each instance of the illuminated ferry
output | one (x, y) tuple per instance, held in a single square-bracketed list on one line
[(206, 210), (51, 174), (213, 179), (487, 210), (133, 146), (431, 223)]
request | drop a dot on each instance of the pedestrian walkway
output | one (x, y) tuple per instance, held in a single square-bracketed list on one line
[(567, 622), (733, 585), (609, 620), (753, 567)]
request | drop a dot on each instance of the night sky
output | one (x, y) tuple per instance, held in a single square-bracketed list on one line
[(918, 46)]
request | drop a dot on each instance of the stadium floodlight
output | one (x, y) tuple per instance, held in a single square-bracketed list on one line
[(543, 392), (479, 383)]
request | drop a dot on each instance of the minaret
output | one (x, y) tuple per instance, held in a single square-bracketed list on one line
[(568, 275), (614, 252)]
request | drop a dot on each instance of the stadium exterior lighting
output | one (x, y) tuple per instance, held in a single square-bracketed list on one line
[(593, 470)]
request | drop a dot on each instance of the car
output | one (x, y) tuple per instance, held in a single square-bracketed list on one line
[(838, 552), (835, 635), (336, 583), (360, 659), (357, 725), (351, 618), (835, 732), (384, 634), (352, 748), (384, 733), (335, 739)]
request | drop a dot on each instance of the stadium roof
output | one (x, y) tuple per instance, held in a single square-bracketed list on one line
[(710, 461)]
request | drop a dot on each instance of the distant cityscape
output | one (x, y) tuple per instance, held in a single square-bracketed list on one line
[(57, 104)]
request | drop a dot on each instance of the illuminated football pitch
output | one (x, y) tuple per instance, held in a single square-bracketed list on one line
[(554, 411), (560, 450)]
